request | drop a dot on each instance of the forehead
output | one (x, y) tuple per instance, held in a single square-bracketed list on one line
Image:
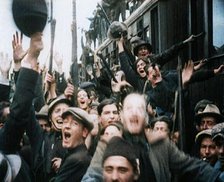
[(110, 107), (161, 124), (208, 118), (206, 139), (60, 105), (82, 92), (140, 62), (142, 47), (134, 100), (117, 161)]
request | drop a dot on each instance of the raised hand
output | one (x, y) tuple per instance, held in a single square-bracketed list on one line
[(69, 91), (18, 52), (187, 72), (31, 58), (121, 82), (58, 59), (219, 70), (200, 64), (154, 75), (5, 64)]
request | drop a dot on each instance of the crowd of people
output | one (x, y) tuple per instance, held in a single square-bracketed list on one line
[(53, 130)]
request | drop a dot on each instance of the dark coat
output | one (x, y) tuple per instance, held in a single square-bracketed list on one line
[(74, 165), (12, 131), (132, 76)]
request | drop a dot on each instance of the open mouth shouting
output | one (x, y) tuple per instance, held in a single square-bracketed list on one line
[(66, 139)]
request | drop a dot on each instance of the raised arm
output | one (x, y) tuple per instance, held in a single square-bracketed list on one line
[(11, 133)]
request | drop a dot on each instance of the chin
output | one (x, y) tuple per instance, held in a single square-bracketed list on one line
[(65, 145)]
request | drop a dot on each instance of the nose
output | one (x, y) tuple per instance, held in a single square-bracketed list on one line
[(111, 115), (205, 126), (207, 151), (66, 124), (114, 175)]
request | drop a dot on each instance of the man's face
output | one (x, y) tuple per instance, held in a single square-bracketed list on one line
[(134, 114), (73, 132), (208, 150), (219, 141), (44, 124), (4, 116), (56, 114), (118, 169), (143, 51), (140, 68), (161, 126), (109, 115), (207, 122), (83, 100)]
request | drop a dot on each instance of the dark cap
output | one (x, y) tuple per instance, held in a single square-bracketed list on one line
[(210, 110), (58, 100), (140, 43), (30, 16), (202, 134), (218, 131), (87, 85), (117, 146), (116, 30), (80, 115)]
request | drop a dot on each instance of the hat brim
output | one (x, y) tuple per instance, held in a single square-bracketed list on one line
[(41, 116), (135, 50), (219, 117), (79, 118), (58, 101), (218, 135)]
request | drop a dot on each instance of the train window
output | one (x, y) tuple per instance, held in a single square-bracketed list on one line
[(218, 25), (140, 27)]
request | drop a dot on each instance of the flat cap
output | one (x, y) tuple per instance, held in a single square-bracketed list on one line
[(218, 131), (80, 115), (203, 134)]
